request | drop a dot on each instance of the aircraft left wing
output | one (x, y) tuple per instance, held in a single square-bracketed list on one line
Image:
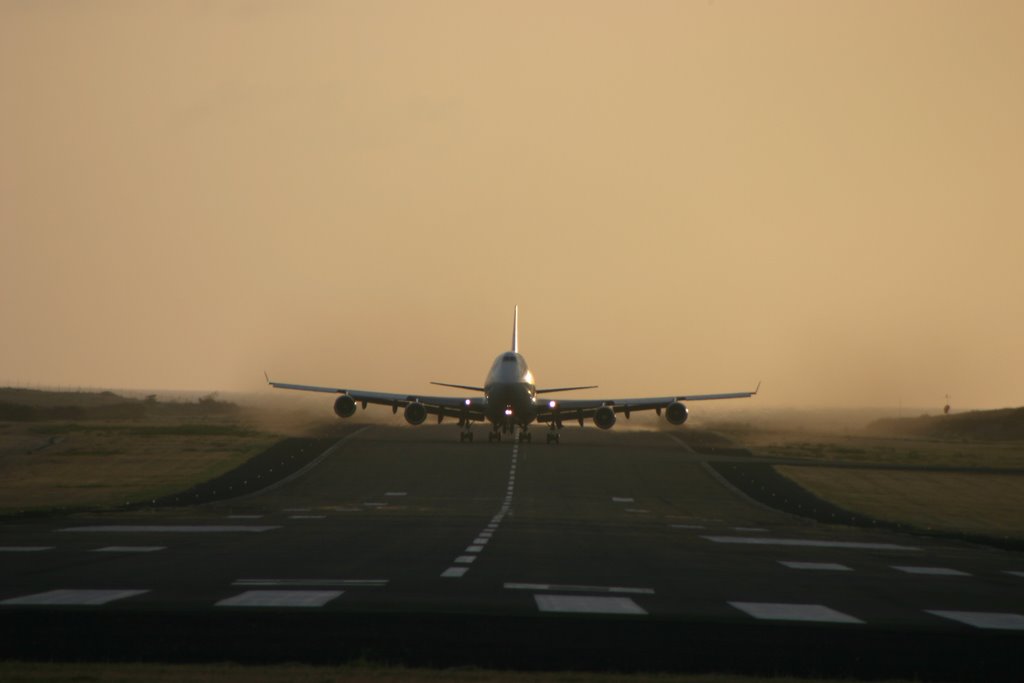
[(451, 406)]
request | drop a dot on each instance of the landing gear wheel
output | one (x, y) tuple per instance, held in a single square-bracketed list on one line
[(493, 436), (553, 437), (525, 436)]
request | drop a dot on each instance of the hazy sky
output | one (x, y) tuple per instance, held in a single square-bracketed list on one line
[(680, 196)]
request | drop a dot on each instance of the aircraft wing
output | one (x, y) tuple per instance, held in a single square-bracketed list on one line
[(580, 409), (452, 406)]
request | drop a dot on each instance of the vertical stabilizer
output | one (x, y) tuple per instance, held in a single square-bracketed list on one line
[(515, 331)]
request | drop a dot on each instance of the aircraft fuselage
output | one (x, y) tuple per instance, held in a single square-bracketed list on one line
[(510, 391)]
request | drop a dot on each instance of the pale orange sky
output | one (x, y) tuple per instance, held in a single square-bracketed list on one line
[(680, 196)]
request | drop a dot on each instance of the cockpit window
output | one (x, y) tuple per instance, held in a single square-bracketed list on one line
[(508, 357)]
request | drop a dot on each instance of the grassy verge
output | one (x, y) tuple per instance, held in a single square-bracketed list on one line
[(963, 502), (293, 673)]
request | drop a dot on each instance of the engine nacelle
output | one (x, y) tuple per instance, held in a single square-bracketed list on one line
[(415, 413), (676, 413), (345, 406), (604, 417)]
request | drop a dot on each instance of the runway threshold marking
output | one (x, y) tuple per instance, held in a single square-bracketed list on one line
[(800, 542), (1003, 621), (931, 571), (312, 583), (180, 529), (68, 596), (785, 611), (577, 589), (24, 548), (587, 604), (817, 566), (289, 598)]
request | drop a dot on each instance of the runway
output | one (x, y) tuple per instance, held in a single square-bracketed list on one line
[(626, 550)]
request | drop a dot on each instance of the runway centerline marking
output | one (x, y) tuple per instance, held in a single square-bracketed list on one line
[(67, 596), (480, 541), (622, 500), (173, 529), (587, 604), (396, 493), (1015, 573), (307, 517), (454, 572), (465, 559), (931, 571), (259, 598), (577, 589), (24, 548), (688, 526), (1003, 621), (784, 611), (245, 517), (474, 548), (130, 549), (761, 540), (817, 566)]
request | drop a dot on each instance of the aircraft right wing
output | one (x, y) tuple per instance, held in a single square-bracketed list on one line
[(580, 409)]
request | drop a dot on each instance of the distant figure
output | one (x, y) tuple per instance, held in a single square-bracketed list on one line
[(945, 411)]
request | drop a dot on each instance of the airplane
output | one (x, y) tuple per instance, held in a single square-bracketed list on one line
[(511, 399)]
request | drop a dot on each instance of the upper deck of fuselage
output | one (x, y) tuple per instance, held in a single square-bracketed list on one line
[(509, 368)]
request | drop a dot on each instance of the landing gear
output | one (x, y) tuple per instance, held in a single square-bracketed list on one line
[(525, 435), (494, 435), (466, 435), (553, 434)]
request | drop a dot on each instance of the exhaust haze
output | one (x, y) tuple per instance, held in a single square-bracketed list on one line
[(681, 197)]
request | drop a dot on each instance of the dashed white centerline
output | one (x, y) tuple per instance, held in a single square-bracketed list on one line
[(130, 549), (307, 517), (245, 517), (311, 583), (1015, 573), (396, 493), (480, 541), (454, 572), (687, 526), (622, 500), (24, 548), (181, 529), (577, 589), (465, 559), (474, 548)]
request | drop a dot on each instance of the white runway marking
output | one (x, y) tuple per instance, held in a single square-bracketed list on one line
[(480, 541), (577, 589), (688, 526), (931, 571), (465, 559), (622, 500), (180, 529), (761, 540), (312, 583), (396, 493), (638, 511), (587, 604), (782, 611), (245, 516), (819, 566), (24, 548), (280, 599), (297, 509), (454, 572), (752, 529), (1013, 573), (130, 549), (375, 505), (307, 517), (73, 597), (1004, 621)]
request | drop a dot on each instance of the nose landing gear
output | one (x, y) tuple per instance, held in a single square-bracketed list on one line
[(553, 434)]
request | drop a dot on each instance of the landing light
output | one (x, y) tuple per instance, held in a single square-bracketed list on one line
[(551, 404), (468, 401), (508, 411)]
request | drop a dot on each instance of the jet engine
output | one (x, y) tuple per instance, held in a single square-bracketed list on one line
[(676, 413), (415, 413), (604, 417), (345, 406)]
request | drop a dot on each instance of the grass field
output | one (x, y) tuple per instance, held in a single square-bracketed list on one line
[(293, 673)]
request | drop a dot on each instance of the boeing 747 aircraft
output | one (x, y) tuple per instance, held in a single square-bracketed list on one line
[(511, 399)]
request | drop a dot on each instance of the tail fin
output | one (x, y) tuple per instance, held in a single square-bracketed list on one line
[(515, 332)]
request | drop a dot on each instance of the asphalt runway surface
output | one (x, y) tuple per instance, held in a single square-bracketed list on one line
[(619, 550)]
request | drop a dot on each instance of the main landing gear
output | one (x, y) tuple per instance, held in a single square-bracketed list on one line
[(466, 435), (493, 435), (553, 434), (525, 435)]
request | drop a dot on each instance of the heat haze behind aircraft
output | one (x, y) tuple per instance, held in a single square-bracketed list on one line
[(510, 399)]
